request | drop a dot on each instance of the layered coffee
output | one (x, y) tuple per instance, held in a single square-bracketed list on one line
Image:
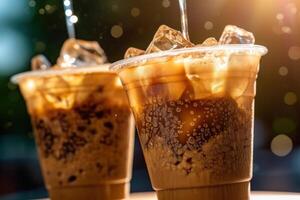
[(83, 127), (194, 113)]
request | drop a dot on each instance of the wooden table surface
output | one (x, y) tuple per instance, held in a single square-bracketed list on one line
[(254, 196)]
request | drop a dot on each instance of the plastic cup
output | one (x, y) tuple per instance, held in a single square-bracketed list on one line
[(83, 129), (194, 111)]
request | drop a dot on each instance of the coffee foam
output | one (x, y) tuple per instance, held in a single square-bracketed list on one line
[(60, 72)]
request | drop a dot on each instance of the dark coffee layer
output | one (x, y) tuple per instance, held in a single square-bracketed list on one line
[(86, 144), (211, 134)]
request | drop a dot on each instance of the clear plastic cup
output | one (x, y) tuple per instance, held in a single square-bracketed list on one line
[(194, 111), (83, 129)]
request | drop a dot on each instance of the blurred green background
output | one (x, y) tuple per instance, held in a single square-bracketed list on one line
[(30, 27)]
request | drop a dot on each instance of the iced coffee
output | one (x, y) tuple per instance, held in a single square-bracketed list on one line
[(193, 106), (82, 124)]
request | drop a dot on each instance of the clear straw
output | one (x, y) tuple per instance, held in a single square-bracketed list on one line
[(68, 7), (184, 20)]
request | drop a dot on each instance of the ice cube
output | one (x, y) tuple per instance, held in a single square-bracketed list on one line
[(76, 53), (243, 71), (189, 92), (40, 62), (211, 41), (132, 52), (235, 35), (207, 74), (167, 38)]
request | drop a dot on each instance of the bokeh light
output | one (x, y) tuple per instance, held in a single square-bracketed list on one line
[(286, 29), (49, 8), (32, 3), (135, 12), (279, 16), (291, 7), (116, 31), (42, 11), (290, 98), (281, 145), (74, 19), (67, 2), (294, 52), (283, 71), (208, 25), (12, 44), (68, 12), (166, 3), (14, 10)]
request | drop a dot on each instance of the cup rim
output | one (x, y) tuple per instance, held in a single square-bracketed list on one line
[(233, 48), (59, 72)]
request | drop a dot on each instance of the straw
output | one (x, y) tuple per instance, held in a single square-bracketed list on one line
[(184, 20), (68, 7)]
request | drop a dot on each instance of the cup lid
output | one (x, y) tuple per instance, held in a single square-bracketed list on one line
[(59, 72), (250, 49)]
